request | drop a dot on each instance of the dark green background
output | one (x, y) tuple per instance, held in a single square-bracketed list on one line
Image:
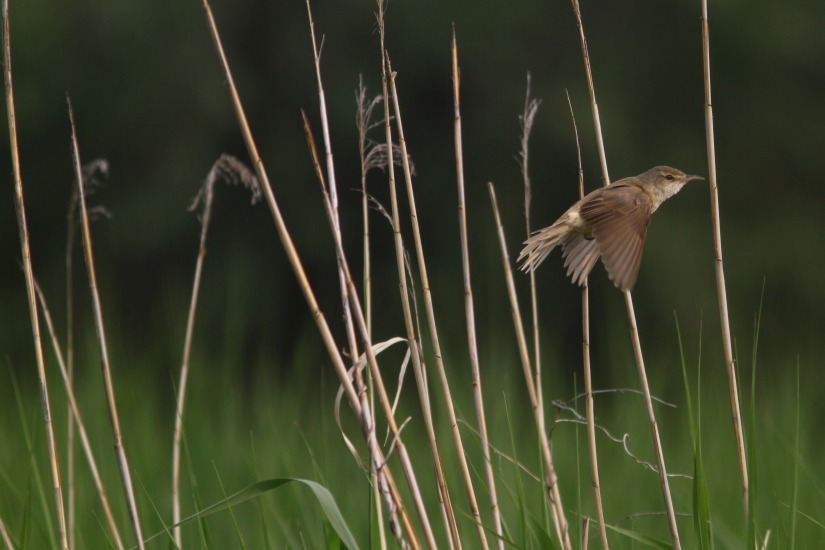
[(150, 98)]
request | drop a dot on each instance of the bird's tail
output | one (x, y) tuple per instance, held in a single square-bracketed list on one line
[(537, 247)]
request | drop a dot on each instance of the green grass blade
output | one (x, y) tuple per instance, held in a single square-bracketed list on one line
[(701, 501), (522, 499), (231, 510), (643, 539), (325, 499), (753, 510), (796, 459), (542, 535), (38, 481)]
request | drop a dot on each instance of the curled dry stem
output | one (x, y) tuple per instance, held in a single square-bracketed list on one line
[(233, 172), (352, 296)]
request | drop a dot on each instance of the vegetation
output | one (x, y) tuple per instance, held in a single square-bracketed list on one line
[(372, 417)]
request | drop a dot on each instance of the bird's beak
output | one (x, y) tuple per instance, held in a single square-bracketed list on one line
[(694, 178)]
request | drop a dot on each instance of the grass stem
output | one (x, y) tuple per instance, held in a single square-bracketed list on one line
[(29, 276), (97, 309), (469, 311), (721, 291)]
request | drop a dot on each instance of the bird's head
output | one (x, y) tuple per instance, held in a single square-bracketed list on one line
[(662, 182)]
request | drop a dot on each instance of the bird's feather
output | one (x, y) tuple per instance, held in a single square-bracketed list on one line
[(580, 255), (619, 217)]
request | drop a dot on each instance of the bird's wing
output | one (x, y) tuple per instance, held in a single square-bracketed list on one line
[(619, 216), (580, 255)]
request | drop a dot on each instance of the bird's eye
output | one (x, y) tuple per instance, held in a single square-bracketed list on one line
[(669, 177)]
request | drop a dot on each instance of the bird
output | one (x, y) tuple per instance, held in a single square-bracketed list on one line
[(609, 223)]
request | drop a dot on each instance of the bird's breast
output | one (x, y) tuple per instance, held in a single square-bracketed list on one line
[(578, 224)]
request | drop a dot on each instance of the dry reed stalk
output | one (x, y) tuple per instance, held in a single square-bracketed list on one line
[(431, 322), (388, 82), (74, 410), (720, 271), (333, 187), (369, 352), (349, 294), (534, 386), (631, 315), (443, 490), (120, 451), (398, 517), (349, 297), (29, 276), (550, 479), (588, 381), (233, 171), (90, 174), (363, 121), (468, 300), (4, 535), (531, 107), (594, 106), (654, 429)]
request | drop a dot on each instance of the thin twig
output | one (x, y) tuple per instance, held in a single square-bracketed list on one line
[(720, 271), (29, 276), (469, 312), (120, 451)]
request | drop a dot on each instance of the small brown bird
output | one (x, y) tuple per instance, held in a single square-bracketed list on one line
[(611, 223)]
